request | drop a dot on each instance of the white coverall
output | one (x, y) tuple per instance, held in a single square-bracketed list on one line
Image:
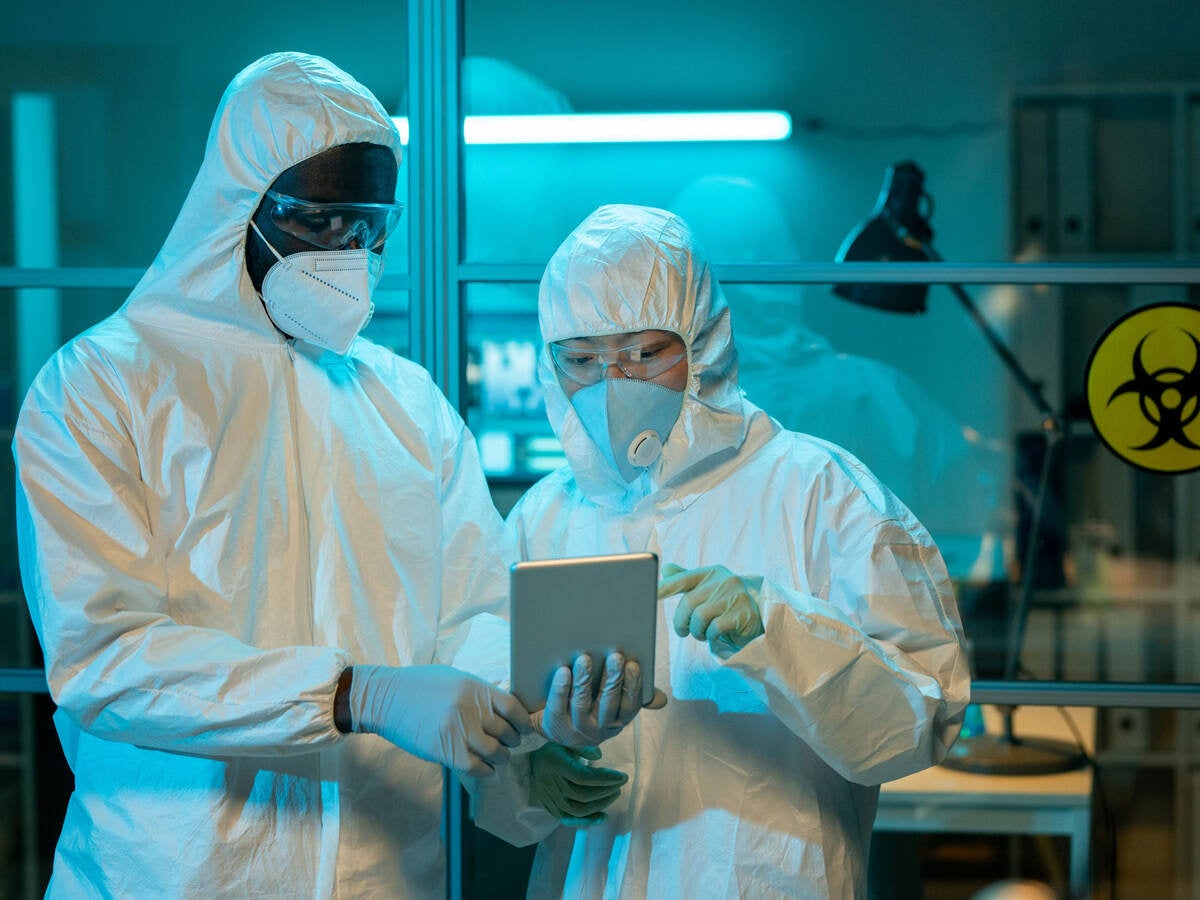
[(214, 523), (760, 777)]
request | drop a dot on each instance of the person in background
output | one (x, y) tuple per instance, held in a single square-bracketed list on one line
[(944, 469), (253, 543), (940, 467), (808, 633)]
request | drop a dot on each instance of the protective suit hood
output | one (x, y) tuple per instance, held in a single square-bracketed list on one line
[(632, 268), (267, 122)]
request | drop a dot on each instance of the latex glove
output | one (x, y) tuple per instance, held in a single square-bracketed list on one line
[(568, 788), (438, 713), (572, 717), (717, 606)]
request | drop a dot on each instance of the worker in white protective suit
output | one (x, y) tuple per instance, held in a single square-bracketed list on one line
[(246, 531), (808, 628), (941, 468)]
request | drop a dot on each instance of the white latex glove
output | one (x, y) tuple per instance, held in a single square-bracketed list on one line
[(438, 713), (568, 788), (572, 718), (717, 606)]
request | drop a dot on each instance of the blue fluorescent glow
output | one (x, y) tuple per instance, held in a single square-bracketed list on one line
[(611, 128), (546, 445), (540, 465)]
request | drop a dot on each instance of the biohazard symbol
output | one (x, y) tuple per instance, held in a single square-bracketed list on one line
[(1167, 397), (1143, 388)]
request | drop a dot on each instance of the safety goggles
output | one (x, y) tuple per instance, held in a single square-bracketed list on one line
[(334, 226), (645, 360)]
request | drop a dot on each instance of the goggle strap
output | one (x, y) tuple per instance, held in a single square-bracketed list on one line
[(254, 225)]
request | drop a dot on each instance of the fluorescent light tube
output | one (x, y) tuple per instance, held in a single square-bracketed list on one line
[(621, 128)]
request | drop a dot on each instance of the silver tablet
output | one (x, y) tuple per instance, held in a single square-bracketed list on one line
[(583, 604)]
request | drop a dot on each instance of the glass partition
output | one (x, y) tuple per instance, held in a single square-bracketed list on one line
[(864, 86), (928, 405), (1025, 153), (1040, 140), (505, 407)]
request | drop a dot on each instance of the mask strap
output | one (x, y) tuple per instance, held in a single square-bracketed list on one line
[(254, 225)]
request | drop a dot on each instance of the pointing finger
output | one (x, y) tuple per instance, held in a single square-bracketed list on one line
[(680, 581)]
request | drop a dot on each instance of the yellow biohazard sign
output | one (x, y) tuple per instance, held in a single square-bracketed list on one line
[(1143, 388)]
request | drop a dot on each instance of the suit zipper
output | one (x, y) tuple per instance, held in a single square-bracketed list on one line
[(295, 424)]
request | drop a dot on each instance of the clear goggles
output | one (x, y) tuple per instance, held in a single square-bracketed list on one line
[(645, 360), (334, 226)]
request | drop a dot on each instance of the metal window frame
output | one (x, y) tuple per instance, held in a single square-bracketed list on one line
[(438, 328)]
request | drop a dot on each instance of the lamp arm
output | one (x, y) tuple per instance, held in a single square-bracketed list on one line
[(1055, 431), (1031, 388), (1016, 630)]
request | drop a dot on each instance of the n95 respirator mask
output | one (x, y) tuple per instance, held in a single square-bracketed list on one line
[(629, 420), (321, 296)]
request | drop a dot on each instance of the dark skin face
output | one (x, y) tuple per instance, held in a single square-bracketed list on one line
[(350, 173)]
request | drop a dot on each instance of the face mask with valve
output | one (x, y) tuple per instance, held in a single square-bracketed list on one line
[(629, 420), (321, 296)]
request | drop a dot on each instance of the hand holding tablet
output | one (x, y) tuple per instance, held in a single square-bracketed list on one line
[(575, 717), (582, 636)]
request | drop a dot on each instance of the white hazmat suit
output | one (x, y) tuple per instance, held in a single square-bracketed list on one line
[(214, 523), (760, 777)]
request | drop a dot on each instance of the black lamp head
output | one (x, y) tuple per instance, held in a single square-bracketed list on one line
[(896, 231)]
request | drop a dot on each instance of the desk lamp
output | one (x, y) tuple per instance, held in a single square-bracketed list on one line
[(898, 230)]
